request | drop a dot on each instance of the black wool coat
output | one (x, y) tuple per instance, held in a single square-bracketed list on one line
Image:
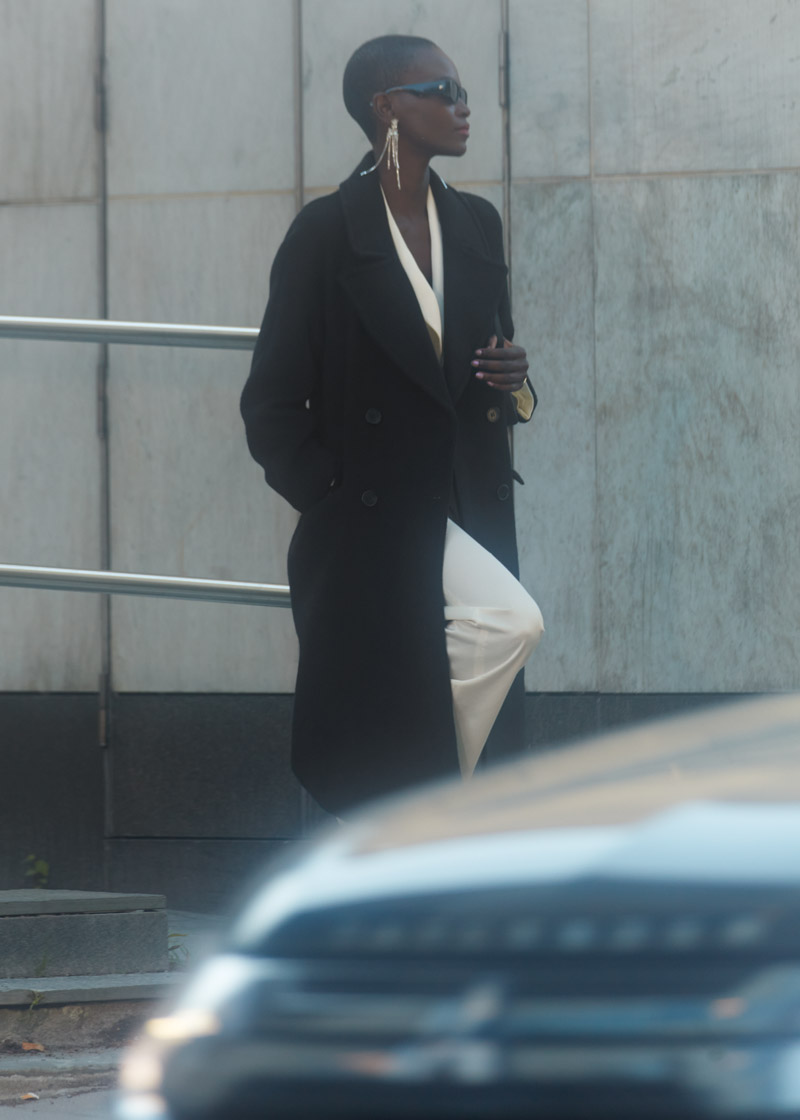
[(357, 424)]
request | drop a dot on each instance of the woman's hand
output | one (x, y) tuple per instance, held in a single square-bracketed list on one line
[(503, 368)]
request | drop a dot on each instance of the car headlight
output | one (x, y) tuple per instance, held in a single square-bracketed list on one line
[(198, 1014)]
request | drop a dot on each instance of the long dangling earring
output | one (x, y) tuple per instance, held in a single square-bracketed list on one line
[(392, 140), (393, 136)]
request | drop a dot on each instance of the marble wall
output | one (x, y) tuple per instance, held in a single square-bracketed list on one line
[(655, 209), (654, 156)]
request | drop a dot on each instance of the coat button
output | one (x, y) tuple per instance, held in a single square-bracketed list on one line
[(503, 491), (370, 498), (493, 415), (373, 416)]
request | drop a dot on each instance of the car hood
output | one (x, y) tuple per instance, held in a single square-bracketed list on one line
[(707, 799)]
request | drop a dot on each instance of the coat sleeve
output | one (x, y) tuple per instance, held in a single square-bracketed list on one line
[(525, 399), (281, 427)]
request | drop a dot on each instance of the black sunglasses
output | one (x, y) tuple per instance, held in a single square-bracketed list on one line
[(446, 88)]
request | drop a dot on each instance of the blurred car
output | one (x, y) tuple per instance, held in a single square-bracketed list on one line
[(610, 929)]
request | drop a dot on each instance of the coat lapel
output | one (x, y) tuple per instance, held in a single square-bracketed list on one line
[(473, 286), (385, 300), (380, 290)]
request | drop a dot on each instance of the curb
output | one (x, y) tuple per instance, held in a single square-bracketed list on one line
[(32, 992)]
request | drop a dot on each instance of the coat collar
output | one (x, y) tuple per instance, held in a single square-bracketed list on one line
[(384, 298)]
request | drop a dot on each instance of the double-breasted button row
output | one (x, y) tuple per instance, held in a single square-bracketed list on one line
[(369, 498), (373, 416)]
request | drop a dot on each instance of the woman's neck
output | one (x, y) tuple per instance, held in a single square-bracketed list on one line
[(412, 199)]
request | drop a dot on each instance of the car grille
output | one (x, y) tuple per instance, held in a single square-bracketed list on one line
[(412, 1040), (497, 1008), (622, 921)]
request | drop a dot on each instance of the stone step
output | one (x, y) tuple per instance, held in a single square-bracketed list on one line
[(75, 933), (44, 901)]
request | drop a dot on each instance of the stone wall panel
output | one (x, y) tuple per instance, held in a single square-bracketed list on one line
[(549, 88), (47, 111), (555, 452), (49, 448), (698, 412), (694, 85), (200, 96)]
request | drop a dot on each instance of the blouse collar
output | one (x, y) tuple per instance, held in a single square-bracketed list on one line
[(430, 296)]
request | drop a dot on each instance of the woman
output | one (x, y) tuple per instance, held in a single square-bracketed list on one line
[(378, 404)]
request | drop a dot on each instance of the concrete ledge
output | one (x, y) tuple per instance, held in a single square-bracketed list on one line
[(28, 903), (38, 991)]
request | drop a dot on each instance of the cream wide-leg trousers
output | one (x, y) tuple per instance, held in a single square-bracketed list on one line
[(492, 626)]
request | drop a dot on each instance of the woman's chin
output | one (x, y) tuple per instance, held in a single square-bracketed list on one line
[(456, 150)]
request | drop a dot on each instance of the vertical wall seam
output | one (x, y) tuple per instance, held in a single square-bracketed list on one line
[(504, 62), (505, 79), (101, 122), (597, 612), (105, 683), (306, 807), (299, 168)]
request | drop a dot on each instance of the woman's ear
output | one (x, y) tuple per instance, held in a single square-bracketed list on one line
[(382, 108)]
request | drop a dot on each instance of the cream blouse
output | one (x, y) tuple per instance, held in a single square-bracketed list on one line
[(430, 296)]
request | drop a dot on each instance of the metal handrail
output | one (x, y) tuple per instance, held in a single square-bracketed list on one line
[(136, 334), (132, 583)]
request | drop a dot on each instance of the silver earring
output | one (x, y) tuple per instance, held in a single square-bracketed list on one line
[(392, 140)]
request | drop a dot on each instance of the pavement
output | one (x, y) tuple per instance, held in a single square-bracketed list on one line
[(78, 1084), (85, 1106)]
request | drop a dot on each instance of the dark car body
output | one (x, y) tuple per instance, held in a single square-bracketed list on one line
[(610, 929)]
